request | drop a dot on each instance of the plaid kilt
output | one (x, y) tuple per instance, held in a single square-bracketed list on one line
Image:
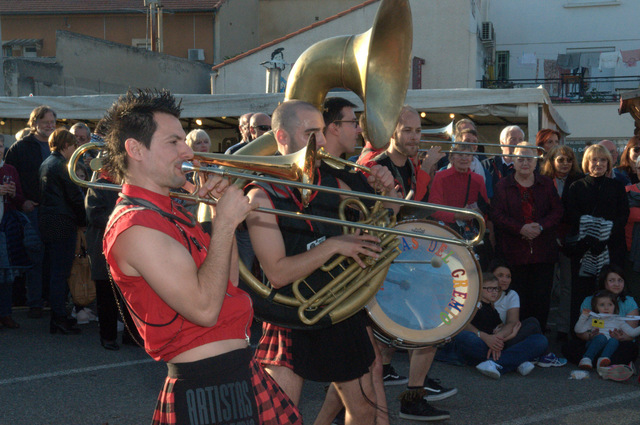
[(273, 406), (275, 346)]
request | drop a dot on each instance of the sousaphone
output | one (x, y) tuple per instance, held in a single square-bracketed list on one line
[(376, 66)]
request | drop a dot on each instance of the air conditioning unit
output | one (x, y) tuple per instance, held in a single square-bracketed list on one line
[(196, 54), (487, 34)]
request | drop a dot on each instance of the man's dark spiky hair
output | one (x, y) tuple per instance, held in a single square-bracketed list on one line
[(132, 117)]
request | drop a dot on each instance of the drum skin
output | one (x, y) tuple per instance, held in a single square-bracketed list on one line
[(431, 290)]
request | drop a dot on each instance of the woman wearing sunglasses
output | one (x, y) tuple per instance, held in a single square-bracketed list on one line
[(562, 167), (629, 157)]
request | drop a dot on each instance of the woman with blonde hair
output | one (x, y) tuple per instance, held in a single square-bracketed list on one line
[(199, 141), (596, 211)]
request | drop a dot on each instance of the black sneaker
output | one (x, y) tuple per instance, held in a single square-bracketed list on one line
[(414, 407), (435, 391), (391, 377)]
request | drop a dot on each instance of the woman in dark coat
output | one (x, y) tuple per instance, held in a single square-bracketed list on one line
[(526, 211), (61, 213), (596, 212)]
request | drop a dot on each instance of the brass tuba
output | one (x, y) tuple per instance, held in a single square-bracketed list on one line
[(376, 66)]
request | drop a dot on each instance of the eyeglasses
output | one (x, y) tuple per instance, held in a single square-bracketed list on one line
[(262, 127), (491, 288), (354, 122), (563, 160)]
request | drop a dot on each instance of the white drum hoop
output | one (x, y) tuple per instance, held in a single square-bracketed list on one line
[(431, 290)]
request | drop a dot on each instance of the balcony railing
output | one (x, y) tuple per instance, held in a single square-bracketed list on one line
[(572, 88)]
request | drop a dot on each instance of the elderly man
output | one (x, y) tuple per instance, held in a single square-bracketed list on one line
[(289, 250), (502, 166), (243, 127), (178, 282), (260, 123)]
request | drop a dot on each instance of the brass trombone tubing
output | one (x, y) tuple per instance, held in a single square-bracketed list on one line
[(187, 167), (511, 155), (447, 142)]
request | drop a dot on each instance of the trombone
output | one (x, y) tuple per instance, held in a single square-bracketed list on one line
[(296, 166)]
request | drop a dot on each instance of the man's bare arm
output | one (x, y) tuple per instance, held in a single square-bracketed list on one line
[(269, 247)]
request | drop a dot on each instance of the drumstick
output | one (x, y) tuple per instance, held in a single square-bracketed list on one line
[(434, 262)]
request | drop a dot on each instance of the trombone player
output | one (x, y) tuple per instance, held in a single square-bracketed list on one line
[(289, 250), (179, 284)]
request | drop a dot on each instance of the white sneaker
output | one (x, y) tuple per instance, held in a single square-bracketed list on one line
[(585, 364), (525, 368), (82, 317), (91, 314), (489, 368)]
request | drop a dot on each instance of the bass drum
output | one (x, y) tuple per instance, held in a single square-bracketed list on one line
[(431, 290)]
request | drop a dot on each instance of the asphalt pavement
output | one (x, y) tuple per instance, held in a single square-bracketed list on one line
[(71, 379)]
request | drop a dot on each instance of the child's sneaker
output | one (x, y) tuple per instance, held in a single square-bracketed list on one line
[(604, 361), (585, 364), (617, 372), (525, 368), (489, 368), (550, 360)]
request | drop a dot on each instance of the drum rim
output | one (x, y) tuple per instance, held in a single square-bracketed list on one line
[(381, 321)]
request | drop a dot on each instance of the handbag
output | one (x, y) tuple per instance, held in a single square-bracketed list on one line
[(82, 288)]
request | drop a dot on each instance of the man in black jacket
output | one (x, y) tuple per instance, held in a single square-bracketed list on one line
[(26, 155)]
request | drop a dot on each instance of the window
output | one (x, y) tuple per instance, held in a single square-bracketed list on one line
[(502, 65), (141, 43), (30, 52)]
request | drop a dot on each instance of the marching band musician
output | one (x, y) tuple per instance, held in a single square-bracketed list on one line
[(180, 284), (341, 133), (289, 250), (399, 157)]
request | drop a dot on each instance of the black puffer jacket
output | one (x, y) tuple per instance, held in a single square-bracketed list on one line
[(61, 200)]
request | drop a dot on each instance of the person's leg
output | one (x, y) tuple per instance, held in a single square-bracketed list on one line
[(359, 400), (529, 326), (35, 251), (107, 311), (542, 283), (563, 288), (595, 346), (290, 383), (470, 347), (524, 285), (419, 364), (333, 404), (61, 252), (609, 348), (532, 347), (331, 407)]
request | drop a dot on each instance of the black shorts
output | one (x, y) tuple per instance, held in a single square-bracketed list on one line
[(227, 389), (339, 353)]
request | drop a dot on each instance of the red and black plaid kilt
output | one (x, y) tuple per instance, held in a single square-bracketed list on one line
[(275, 346), (274, 406), (165, 408)]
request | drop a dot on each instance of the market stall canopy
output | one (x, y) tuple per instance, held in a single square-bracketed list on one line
[(531, 106)]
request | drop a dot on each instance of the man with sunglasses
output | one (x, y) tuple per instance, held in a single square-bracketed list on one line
[(260, 123)]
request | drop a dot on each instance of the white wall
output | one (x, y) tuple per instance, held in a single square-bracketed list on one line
[(445, 34), (550, 28)]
